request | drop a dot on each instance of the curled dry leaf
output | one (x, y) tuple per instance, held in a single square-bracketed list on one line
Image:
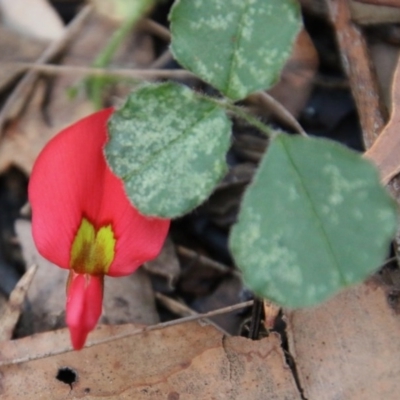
[(386, 149)]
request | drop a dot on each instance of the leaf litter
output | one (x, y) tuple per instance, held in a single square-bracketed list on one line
[(324, 352)]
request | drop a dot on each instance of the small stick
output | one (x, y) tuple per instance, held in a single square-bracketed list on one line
[(13, 104), (117, 72), (255, 323), (183, 310), (155, 28), (277, 109), (134, 332), (12, 313), (357, 65)]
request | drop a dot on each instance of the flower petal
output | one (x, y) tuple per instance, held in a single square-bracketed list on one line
[(71, 181), (84, 304)]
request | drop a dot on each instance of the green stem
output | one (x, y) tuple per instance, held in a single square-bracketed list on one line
[(250, 118), (95, 85)]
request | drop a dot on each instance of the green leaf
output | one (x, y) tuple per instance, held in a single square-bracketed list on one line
[(237, 46), (314, 220), (169, 146)]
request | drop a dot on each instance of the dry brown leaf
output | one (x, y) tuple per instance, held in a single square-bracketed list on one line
[(385, 57), (375, 12), (388, 3), (15, 47), (34, 18), (129, 299), (166, 264), (297, 77), (357, 66), (52, 109), (386, 149), (348, 347), (10, 316), (228, 292), (271, 312), (24, 138), (46, 295), (186, 361)]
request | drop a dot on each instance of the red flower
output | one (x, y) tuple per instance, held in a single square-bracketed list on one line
[(83, 221)]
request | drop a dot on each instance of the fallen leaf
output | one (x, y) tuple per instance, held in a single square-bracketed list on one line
[(44, 309), (376, 12), (129, 299), (385, 57), (346, 348), (49, 111), (10, 316), (15, 47), (386, 148), (227, 293), (23, 17), (297, 76), (166, 265), (186, 361), (223, 205)]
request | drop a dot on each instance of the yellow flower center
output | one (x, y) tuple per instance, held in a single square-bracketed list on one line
[(93, 250)]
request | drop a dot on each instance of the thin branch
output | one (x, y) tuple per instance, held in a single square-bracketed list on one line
[(53, 69), (162, 60), (183, 310), (277, 109), (155, 28), (11, 106), (134, 332), (249, 118), (358, 67)]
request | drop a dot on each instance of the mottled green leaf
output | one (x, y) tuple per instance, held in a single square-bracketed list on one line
[(314, 220), (238, 46), (169, 146)]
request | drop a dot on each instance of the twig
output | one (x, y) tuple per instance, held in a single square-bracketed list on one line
[(277, 109), (162, 60), (247, 116), (135, 332), (356, 62), (112, 72), (183, 310), (11, 106), (201, 259), (155, 28), (255, 323), (12, 313)]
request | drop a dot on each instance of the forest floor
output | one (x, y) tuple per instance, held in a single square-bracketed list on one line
[(184, 326)]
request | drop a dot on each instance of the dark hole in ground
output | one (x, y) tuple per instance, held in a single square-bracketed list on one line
[(67, 375)]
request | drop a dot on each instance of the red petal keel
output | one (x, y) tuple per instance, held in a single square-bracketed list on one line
[(84, 304)]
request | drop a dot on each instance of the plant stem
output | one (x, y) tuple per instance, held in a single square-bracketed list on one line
[(250, 118), (95, 85), (256, 317)]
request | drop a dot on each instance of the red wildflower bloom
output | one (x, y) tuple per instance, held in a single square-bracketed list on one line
[(83, 221)]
